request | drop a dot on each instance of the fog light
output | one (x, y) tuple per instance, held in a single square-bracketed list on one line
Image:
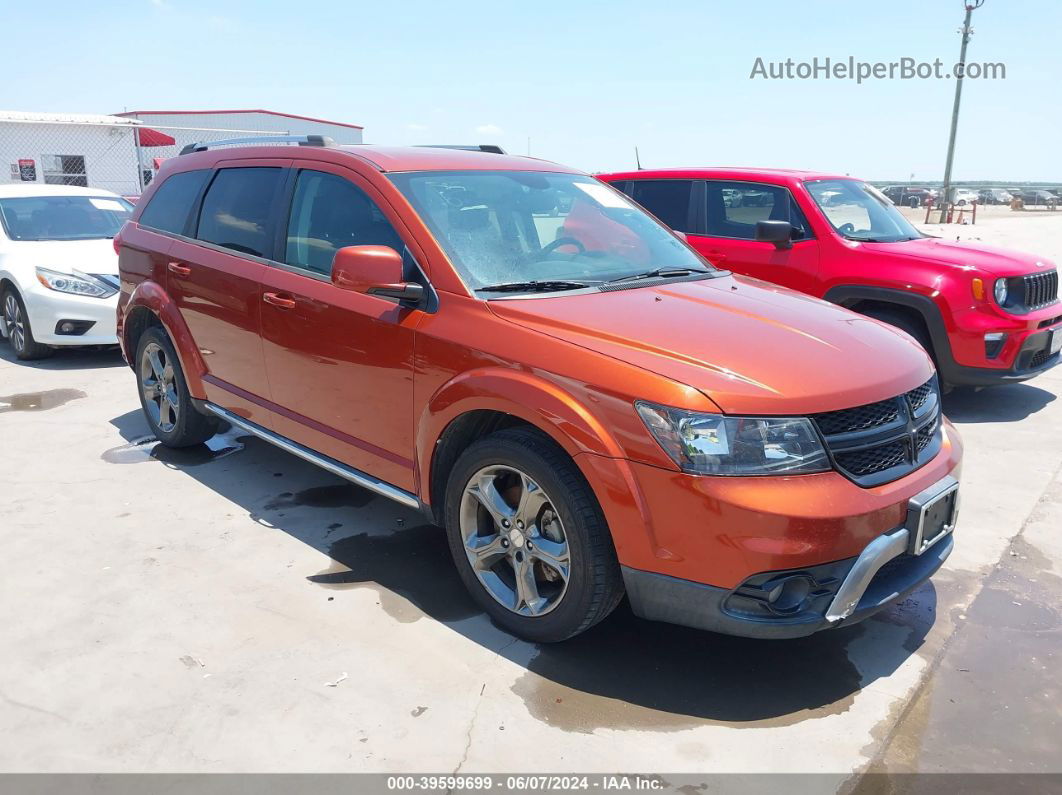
[(73, 328), (994, 343), (789, 595)]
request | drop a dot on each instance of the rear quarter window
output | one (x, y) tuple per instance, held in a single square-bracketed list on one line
[(169, 207)]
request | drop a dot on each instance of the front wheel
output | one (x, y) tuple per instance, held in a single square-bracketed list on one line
[(164, 395), (16, 327), (528, 537)]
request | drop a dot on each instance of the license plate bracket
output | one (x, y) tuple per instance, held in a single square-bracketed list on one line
[(1054, 342), (931, 515)]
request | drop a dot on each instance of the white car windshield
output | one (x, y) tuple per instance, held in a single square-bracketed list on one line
[(63, 217), (508, 228)]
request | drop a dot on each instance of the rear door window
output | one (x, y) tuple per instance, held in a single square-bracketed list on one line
[(667, 199), (236, 210), (734, 209), (169, 207)]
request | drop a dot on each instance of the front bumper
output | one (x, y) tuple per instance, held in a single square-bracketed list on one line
[(46, 309), (1024, 355), (826, 596)]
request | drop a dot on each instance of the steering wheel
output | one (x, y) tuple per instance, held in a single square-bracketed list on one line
[(846, 229), (549, 248)]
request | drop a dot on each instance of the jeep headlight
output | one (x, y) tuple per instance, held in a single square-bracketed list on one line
[(74, 283), (1000, 291), (714, 444)]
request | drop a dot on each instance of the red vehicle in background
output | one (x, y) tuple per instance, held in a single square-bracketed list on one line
[(986, 315)]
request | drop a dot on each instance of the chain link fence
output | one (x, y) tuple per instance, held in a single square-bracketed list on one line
[(122, 157)]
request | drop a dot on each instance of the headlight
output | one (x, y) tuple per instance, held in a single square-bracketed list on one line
[(712, 444), (1000, 291), (74, 283)]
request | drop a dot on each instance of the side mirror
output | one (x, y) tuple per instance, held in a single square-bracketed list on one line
[(681, 235), (778, 232), (374, 270)]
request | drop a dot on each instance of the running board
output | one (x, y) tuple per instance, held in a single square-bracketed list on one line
[(355, 476)]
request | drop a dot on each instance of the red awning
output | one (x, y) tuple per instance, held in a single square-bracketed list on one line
[(145, 136)]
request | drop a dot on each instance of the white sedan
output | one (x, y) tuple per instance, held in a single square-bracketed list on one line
[(58, 267)]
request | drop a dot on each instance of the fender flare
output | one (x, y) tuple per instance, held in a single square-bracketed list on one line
[(535, 400), (926, 307), (151, 296)]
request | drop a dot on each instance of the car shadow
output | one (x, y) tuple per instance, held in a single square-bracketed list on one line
[(1004, 403), (623, 673), (67, 358)]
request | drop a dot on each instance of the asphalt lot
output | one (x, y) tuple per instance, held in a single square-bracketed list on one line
[(233, 608)]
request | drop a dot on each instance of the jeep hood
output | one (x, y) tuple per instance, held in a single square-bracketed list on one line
[(751, 347), (987, 259)]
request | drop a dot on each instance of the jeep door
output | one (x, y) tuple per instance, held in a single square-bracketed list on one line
[(215, 281), (339, 363), (724, 231)]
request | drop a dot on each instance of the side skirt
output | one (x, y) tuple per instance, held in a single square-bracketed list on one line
[(355, 476)]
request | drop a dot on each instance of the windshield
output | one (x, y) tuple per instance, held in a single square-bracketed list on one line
[(511, 227), (63, 217), (859, 211)]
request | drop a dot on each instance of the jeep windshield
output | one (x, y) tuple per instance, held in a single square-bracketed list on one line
[(859, 211), (537, 232), (63, 217)]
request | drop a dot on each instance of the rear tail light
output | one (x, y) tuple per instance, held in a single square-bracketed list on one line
[(117, 241)]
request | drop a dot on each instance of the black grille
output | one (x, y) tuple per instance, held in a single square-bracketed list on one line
[(1040, 357), (873, 459), (918, 397), (1041, 289), (858, 419), (882, 441)]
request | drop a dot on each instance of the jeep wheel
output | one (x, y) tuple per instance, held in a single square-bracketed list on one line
[(529, 539), (164, 396)]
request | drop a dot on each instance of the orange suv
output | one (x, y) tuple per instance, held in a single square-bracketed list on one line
[(585, 404)]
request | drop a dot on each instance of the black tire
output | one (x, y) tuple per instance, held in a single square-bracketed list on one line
[(594, 585), (190, 426), (25, 346)]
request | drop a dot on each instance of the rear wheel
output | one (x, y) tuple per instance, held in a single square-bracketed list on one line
[(164, 395), (528, 537), (16, 328)]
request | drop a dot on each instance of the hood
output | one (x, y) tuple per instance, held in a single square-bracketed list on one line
[(988, 259), (87, 256), (751, 347)]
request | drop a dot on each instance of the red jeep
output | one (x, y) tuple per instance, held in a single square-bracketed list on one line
[(986, 315)]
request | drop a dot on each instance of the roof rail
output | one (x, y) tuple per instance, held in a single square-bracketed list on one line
[(493, 148), (301, 140)]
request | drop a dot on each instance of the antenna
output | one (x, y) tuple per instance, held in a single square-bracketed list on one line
[(637, 160)]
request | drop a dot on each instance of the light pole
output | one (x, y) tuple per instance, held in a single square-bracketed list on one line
[(966, 32)]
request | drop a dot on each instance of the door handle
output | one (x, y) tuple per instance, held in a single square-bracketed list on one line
[(177, 269), (716, 256), (279, 301)]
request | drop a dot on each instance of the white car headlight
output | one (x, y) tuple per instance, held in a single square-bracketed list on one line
[(74, 283), (1000, 291), (713, 444)]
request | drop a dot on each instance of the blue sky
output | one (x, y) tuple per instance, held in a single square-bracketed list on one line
[(585, 81)]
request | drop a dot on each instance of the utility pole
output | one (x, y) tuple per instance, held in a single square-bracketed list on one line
[(966, 32)]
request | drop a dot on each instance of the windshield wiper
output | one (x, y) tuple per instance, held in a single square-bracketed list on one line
[(658, 273), (534, 286)]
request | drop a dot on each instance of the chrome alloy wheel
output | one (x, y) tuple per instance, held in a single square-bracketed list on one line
[(14, 325), (514, 540), (159, 386)]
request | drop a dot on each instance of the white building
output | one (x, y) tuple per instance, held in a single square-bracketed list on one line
[(69, 149), (103, 151)]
